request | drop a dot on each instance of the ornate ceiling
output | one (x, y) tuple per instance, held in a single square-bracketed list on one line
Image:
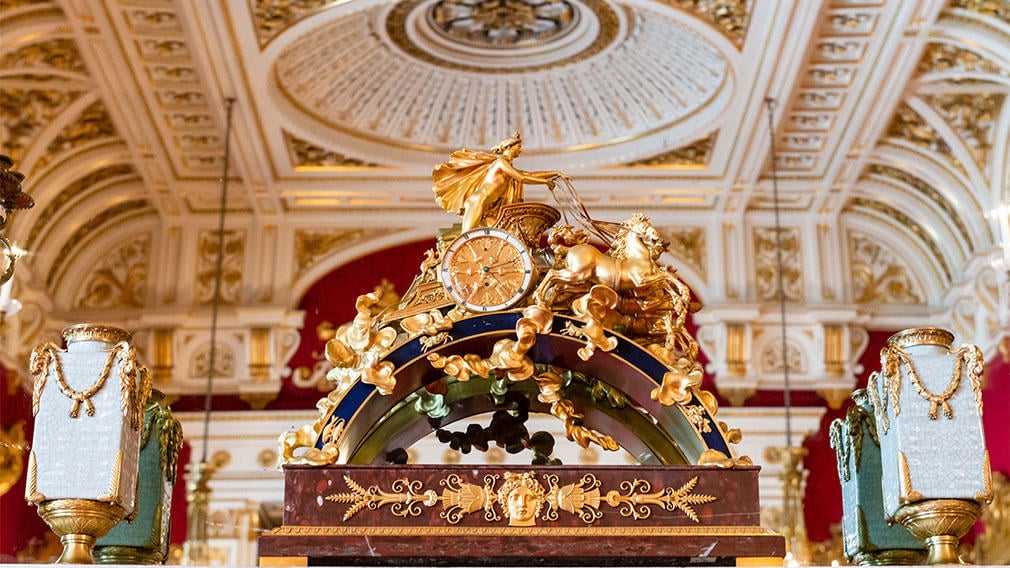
[(891, 128)]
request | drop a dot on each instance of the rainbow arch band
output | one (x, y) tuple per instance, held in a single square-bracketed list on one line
[(628, 368)]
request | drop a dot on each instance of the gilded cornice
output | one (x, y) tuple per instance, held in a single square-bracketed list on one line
[(697, 153), (82, 234), (313, 245), (928, 192), (74, 190), (902, 220), (307, 156)]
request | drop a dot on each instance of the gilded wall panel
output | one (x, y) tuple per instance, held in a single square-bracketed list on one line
[(313, 245), (120, 278), (689, 246), (878, 276), (232, 263), (766, 267)]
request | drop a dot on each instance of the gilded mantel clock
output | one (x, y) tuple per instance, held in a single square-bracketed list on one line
[(487, 269)]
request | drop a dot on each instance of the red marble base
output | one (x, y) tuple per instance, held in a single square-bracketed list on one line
[(490, 515)]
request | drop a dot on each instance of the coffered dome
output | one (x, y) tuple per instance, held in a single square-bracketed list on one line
[(441, 74)]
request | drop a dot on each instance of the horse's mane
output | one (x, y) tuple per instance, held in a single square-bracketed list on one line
[(619, 243)]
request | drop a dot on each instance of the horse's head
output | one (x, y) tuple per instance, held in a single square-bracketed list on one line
[(639, 225)]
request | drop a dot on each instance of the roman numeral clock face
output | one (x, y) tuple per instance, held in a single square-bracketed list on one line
[(487, 269)]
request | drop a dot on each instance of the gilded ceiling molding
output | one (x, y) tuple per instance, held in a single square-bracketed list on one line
[(82, 234), (306, 155), (313, 245), (900, 219), (176, 97), (941, 57), (928, 192), (766, 268), (829, 77), (911, 127), (120, 278), (696, 154), (232, 266), (26, 113), (689, 245), (729, 17), (973, 118), (878, 276), (72, 191), (271, 17), (56, 54), (93, 125), (998, 9)]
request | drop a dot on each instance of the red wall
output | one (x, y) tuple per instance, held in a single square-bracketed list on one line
[(21, 529)]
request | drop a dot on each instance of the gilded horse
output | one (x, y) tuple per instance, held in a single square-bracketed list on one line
[(631, 268)]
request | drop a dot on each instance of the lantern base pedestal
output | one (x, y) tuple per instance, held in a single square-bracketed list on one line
[(892, 557), (126, 555), (79, 523), (939, 523)]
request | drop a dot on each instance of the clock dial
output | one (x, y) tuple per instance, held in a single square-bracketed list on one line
[(487, 269)]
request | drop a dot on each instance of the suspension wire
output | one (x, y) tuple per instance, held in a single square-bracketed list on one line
[(218, 269), (786, 392)]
